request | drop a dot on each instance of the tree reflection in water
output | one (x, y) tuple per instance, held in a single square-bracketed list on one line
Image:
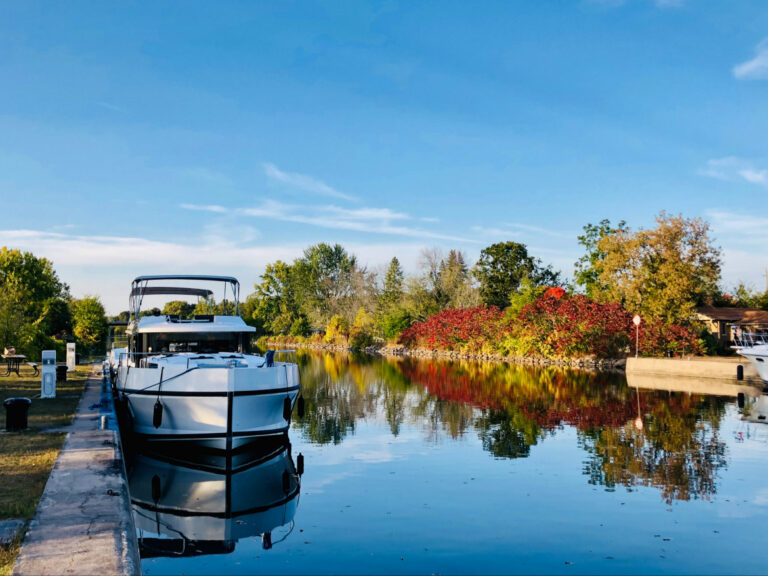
[(512, 408), (678, 449)]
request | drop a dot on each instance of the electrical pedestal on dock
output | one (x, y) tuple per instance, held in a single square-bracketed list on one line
[(48, 378)]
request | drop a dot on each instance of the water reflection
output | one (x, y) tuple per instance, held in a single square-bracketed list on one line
[(665, 439), (190, 503), (678, 449)]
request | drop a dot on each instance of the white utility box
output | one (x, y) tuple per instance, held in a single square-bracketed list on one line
[(48, 375), (71, 357)]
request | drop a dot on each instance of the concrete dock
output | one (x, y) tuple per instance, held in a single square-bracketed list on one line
[(719, 368), (83, 523), (697, 375)]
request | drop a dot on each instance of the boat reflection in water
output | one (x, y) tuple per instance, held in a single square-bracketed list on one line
[(191, 503)]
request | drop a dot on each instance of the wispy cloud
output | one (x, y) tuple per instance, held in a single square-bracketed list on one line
[(205, 175), (205, 208), (303, 182), (492, 232), (370, 220), (367, 220), (619, 3), (80, 250), (747, 228), (734, 169), (112, 107), (515, 229), (538, 230), (755, 176), (107, 264), (757, 68)]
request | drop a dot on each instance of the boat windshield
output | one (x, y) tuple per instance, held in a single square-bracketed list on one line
[(198, 342)]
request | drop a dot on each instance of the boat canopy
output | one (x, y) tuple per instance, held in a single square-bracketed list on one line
[(171, 325), (153, 290), (141, 288)]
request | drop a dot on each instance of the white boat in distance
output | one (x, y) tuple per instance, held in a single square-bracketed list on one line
[(196, 379), (754, 347)]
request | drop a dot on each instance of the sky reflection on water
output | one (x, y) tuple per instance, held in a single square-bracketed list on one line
[(437, 467)]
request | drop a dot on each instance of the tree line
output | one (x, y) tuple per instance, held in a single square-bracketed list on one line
[(662, 273)]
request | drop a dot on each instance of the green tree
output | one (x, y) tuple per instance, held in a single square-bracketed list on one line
[(300, 327), (745, 297), (590, 265), (179, 308), (275, 308), (31, 299), (662, 273), (392, 323), (455, 282), (503, 266), (89, 321), (392, 293), (323, 282)]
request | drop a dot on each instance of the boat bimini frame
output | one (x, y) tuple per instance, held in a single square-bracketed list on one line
[(140, 288)]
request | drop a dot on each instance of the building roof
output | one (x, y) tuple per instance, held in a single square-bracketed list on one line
[(735, 315)]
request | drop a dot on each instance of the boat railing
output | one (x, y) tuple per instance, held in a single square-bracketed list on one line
[(139, 359), (748, 336)]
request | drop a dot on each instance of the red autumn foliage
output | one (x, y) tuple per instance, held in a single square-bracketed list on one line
[(657, 339), (458, 329), (555, 325), (555, 292)]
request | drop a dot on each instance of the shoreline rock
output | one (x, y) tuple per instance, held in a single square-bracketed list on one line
[(401, 351)]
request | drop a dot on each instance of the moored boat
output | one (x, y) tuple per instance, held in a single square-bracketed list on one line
[(754, 347), (196, 378)]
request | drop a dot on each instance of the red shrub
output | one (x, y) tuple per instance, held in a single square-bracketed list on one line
[(557, 325), (657, 339), (458, 329)]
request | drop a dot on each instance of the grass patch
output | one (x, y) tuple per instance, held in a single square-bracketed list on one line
[(25, 464), (8, 555), (50, 412), (26, 458)]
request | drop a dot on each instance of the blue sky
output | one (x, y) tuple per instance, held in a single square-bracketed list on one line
[(141, 138)]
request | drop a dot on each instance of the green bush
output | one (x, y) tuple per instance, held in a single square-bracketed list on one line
[(300, 327), (390, 325)]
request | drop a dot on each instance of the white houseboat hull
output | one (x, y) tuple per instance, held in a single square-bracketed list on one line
[(220, 407)]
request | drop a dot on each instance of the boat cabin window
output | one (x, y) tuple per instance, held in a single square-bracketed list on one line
[(197, 342)]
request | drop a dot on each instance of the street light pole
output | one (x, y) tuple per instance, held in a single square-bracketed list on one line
[(636, 322)]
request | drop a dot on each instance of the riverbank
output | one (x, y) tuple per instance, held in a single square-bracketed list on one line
[(402, 351)]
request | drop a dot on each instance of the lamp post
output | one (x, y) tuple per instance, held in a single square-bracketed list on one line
[(636, 322)]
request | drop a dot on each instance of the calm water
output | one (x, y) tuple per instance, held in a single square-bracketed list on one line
[(434, 467)]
